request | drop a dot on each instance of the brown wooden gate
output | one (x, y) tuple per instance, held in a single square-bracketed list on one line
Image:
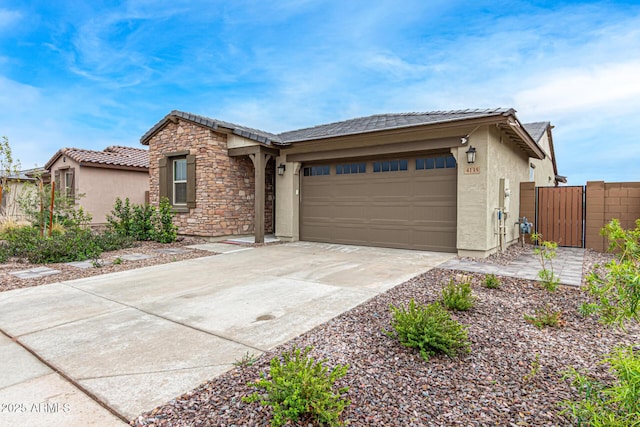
[(560, 215)]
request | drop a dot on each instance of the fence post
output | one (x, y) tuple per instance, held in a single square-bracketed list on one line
[(594, 218)]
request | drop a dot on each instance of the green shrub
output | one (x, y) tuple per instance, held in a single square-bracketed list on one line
[(5, 253), (491, 281), (21, 240), (301, 386), (616, 404), (163, 230), (616, 294), (428, 328), (110, 241), (457, 296), (545, 316), (143, 222), (74, 245)]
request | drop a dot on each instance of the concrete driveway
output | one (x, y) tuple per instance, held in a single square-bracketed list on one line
[(133, 340)]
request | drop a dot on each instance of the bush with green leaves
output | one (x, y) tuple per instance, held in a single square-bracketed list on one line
[(458, 296), (63, 246), (300, 386), (430, 329), (545, 316), (35, 201), (491, 281), (546, 251), (143, 222), (616, 293), (614, 405)]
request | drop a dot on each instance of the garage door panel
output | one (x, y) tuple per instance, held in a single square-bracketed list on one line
[(413, 209)]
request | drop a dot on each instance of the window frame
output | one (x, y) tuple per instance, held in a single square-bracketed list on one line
[(166, 179), (174, 181)]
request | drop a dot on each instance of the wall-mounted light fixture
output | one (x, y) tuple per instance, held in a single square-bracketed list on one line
[(471, 154), (281, 168)]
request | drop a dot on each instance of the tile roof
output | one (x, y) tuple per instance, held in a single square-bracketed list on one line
[(380, 122), (114, 155), (536, 129), (373, 123), (249, 133)]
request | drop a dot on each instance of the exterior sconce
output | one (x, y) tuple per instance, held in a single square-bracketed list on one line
[(471, 155), (281, 168)]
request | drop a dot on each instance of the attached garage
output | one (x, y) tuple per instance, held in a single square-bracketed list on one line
[(400, 202)]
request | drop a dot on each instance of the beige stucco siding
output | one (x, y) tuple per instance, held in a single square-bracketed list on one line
[(102, 186), (544, 175), (10, 206), (97, 188)]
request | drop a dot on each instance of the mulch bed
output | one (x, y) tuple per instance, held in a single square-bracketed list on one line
[(511, 377)]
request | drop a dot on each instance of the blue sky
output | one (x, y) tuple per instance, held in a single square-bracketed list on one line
[(97, 73)]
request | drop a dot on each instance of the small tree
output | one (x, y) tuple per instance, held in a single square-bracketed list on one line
[(546, 252)]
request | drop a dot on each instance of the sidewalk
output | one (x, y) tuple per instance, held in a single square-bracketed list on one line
[(567, 266)]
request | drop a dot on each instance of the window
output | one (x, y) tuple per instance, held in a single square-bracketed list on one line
[(180, 181), (65, 183), (315, 170), (441, 162), (177, 179), (68, 183), (351, 168), (390, 165)]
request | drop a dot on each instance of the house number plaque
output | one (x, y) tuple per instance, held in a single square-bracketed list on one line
[(472, 170)]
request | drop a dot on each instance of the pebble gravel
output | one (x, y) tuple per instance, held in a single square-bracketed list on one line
[(511, 377)]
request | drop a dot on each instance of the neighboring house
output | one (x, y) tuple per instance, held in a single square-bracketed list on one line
[(99, 177), (16, 183), (390, 180)]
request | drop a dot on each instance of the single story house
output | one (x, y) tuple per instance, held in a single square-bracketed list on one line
[(99, 177), (15, 184), (442, 180)]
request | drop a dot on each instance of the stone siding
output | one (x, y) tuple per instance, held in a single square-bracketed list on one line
[(224, 185)]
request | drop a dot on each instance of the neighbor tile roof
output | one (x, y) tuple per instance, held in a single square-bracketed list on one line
[(387, 121), (115, 155), (373, 123), (23, 175), (536, 129)]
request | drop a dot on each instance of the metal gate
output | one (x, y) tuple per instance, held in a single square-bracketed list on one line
[(560, 215)]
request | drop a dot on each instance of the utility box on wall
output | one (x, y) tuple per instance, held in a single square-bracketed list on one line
[(504, 195)]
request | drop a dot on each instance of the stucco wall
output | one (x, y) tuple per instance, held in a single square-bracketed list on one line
[(97, 188), (224, 185), (478, 194), (11, 208), (102, 186), (544, 175)]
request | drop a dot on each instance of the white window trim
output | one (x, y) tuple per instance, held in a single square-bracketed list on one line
[(174, 181)]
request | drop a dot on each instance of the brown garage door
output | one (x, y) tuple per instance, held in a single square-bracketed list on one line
[(407, 202)]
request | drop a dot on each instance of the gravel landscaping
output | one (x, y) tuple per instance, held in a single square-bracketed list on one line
[(511, 377), (68, 272)]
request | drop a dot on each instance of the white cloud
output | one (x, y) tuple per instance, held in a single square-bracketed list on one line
[(603, 87)]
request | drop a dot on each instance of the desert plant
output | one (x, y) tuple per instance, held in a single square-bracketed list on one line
[(248, 359), (301, 386), (457, 296), (143, 222), (428, 328), (163, 231), (616, 293), (546, 252), (615, 404), (534, 369), (545, 316), (491, 281)]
